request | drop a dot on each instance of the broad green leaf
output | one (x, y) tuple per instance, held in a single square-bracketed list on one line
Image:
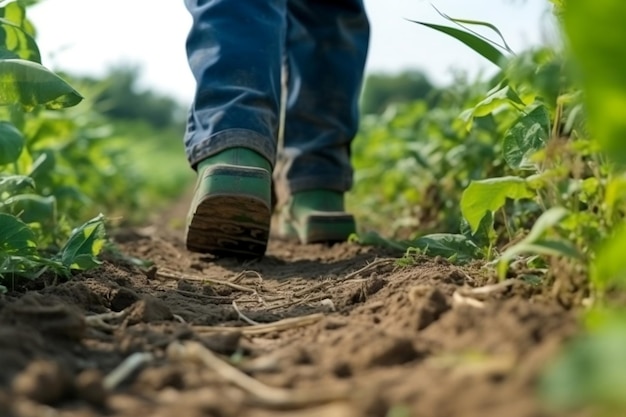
[(16, 238), (505, 95), (501, 95), (527, 136), (458, 247), (597, 36), (30, 84), (15, 183), (14, 12), (16, 43), (484, 236), (483, 47), (33, 208), (11, 143), (482, 197), (84, 245)]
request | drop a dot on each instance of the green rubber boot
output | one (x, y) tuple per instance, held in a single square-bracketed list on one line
[(316, 216), (230, 211)]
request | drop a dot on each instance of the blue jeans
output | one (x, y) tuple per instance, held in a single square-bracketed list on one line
[(237, 49)]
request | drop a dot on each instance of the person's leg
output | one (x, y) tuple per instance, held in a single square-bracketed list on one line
[(326, 49), (235, 53)]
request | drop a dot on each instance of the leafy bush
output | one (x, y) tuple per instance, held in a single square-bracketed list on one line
[(34, 186), (489, 161), (551, 193)]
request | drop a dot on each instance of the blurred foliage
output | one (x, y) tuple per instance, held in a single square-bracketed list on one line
[(591, 374), (382, 90), (119, 152), (118, 96)]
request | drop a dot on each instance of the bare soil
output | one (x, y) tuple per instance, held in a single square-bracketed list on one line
[(342, 331)]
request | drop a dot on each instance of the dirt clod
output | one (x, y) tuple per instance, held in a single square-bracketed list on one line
[(89, 387), (46, 382), (149, 309), (123, 298), (430, 303)]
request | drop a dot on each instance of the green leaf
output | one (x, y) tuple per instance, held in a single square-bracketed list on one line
[(484, 236), (11, 143), (30, 84), (15, 13), (84, 245), (615, 193), (547, 220), (609, 267), (590, 373), (16, 238), (16, 43), (528, 135), (504, 95), (597, 36), (33, 208), (452, 246), (488, 25), (44, 165), (483, 47), (501, 95), (15, 183), (536, 242), (482, 197), (374, 239), (447, 245)]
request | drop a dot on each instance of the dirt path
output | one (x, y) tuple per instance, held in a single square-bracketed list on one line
[(353, 334)]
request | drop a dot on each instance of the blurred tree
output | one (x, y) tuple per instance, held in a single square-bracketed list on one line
[(119, 97), (382, 89)]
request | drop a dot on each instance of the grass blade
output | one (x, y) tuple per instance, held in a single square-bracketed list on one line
[(477, 43), (461, 23)]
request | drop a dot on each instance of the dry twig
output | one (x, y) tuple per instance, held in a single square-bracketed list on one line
[(459, 299), (180, 277), (179, 318), (260, 393), (125, 369), (218, 298), (243, 274), (488, 289), (368, 267), (98, 320), (285, 324), (243, 316)]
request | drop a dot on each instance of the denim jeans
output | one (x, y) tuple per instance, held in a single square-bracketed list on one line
[(237, 50)]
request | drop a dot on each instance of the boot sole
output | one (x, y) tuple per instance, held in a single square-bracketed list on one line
[(229, 225)]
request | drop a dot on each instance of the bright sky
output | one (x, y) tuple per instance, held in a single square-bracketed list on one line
[(88, 36)]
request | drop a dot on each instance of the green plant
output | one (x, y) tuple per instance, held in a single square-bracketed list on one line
[(30, 224), (557, 131)]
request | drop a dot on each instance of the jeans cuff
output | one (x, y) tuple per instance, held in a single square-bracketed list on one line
[(233, 138)]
